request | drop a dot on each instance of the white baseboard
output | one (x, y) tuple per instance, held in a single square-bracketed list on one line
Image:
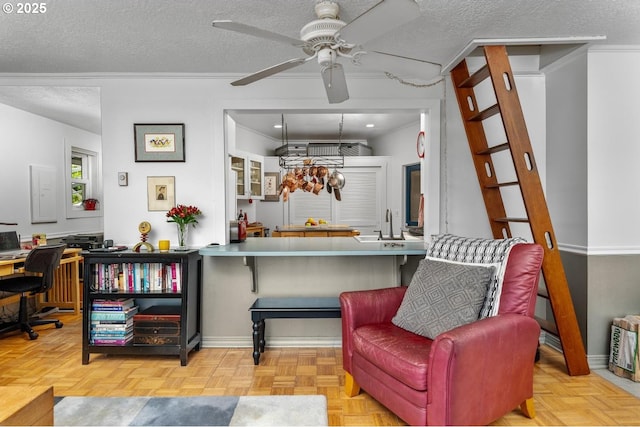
[(595, 362), (598, 361), (241, 342), (551, 340)]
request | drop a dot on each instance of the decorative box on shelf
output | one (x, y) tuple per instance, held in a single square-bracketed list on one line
[(157, 325)]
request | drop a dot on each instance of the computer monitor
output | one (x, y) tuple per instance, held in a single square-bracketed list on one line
[(9, 241)]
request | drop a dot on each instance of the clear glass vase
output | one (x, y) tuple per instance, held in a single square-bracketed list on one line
[(183, 234)]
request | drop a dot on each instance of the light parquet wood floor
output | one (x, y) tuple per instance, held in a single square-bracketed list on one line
[(55, 359)]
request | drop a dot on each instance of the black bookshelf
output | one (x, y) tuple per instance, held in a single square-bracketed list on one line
[(188, 298)]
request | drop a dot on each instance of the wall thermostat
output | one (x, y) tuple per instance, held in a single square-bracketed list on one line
[(123, 179)]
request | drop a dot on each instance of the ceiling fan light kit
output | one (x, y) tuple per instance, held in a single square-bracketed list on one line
[(329, 38)]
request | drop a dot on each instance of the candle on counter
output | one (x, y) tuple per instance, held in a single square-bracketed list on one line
[(164, 245)]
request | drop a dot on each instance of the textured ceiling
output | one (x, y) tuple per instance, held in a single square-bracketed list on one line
[(168, 36)]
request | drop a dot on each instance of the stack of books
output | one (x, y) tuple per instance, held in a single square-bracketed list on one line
[(112, 321)]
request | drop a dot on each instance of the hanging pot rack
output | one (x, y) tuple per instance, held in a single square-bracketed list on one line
[(315, 153)]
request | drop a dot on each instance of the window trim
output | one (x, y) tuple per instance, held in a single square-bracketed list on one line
[(93, 181), (408, 170)]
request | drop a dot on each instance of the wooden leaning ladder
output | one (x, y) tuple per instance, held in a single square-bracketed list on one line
[(508, 106)]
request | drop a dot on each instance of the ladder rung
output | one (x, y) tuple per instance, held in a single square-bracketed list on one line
[(494, 149), (511, 219), (485, 114), (476, 77), (547, 325), (502, 184)]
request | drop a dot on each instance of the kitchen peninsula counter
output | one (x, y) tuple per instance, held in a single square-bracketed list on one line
[(236, 274), (330, 246)]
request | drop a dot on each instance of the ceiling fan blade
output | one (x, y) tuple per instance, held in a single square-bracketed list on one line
[(335, 83), (401, 65), (257, 32), (283, 66), (379, 20)]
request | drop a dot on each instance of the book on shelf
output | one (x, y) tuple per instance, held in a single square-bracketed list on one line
[(137, 277), (118, 304), (110, 334), (112, 341), (111, 321), (100, 325), (114, 315)]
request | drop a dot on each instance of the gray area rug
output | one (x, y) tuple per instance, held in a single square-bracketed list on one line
[(192, 411)]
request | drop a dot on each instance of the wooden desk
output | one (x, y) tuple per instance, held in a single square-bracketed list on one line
[(65, 292)]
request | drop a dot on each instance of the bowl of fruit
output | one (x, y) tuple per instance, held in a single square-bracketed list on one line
[(314, 223)]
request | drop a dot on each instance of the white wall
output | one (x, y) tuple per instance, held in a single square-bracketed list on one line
[(614, 150), (567, 151), (198, 181), (593, 150), (463, 211), (28, 139)]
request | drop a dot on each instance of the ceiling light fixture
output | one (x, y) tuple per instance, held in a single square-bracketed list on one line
[(277, 126), (370, 125)]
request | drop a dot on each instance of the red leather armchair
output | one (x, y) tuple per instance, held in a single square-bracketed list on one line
[(471, 375)]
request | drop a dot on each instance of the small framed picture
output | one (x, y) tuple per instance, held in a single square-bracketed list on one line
[(159, 142), (271, 184), (161, 192)]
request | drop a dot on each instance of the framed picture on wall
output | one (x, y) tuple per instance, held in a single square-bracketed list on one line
[(161, 192), (271, 184), (159, 142)]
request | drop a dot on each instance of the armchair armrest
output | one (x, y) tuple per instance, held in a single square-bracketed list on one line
[(481, 370), (366, 307)]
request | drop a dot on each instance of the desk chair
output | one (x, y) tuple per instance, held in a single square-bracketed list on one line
[(44, 260)]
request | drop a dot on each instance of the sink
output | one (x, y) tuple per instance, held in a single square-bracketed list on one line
[(374, 238), (367, 239)]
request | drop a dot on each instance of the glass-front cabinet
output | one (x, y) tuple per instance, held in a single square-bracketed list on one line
[(255, 170), (238, 164), (249, 170)]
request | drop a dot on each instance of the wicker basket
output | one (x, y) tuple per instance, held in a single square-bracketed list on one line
[(356, 149), (323, 149), (292, 150)]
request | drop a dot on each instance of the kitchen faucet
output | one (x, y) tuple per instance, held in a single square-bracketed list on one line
[(389, 219)]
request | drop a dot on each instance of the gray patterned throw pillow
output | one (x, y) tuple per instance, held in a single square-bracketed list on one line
[(477, 250), (442, 296)]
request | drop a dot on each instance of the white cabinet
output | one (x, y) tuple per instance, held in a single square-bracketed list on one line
[(249, 170), (256, 176)]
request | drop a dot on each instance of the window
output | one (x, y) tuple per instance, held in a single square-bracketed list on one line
[(82, 181), (412, 194)]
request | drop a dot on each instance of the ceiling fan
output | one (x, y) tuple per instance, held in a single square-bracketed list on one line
[(328, 38)]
